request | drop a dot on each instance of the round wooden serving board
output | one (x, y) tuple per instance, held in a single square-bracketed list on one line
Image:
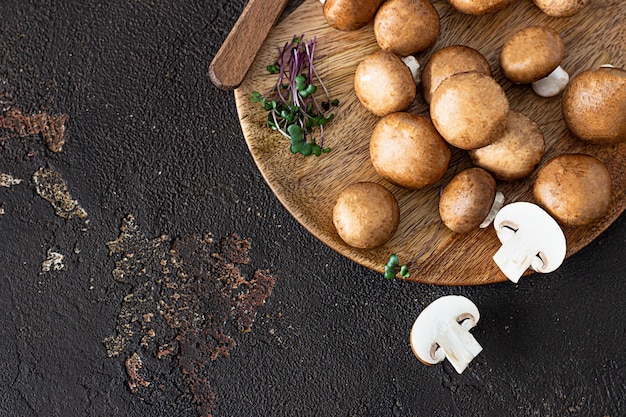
[(309, 186)]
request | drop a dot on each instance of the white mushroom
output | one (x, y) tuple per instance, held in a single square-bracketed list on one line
[(442, 331), (530, 238)]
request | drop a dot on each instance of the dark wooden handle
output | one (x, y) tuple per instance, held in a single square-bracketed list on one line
[(232, 61)]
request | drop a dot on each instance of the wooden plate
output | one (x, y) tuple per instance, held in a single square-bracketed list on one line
[(308, 187)]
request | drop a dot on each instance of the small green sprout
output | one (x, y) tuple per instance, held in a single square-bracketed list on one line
[(393, 268)]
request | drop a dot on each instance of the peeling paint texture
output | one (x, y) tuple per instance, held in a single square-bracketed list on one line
[(53, 189)]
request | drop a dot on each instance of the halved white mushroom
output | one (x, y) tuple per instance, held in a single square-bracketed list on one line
[(530, 238), (442, 331)]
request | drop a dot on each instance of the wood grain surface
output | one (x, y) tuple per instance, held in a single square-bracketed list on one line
[(308, 187)]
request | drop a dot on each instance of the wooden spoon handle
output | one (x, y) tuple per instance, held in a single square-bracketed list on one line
[(232, 61)]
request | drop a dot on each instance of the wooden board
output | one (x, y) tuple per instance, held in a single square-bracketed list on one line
[(308, 187)]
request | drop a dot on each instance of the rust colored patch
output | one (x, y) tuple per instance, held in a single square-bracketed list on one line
[(133, 365), (50, 127), (197, 290)]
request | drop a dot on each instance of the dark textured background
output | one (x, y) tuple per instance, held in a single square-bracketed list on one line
[(149, 135)]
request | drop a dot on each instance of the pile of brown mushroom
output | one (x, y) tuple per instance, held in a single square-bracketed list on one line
[(470, 111)]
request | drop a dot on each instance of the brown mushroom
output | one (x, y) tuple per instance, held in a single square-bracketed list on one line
[(533, 56), (561, 8), (384, 84), (468, 199), (469, 110), (407, 150), (349, 15), (479, 7), (448, 61), (366, 215), (515, 154), (574, 188), (406, 27), (594, 105)]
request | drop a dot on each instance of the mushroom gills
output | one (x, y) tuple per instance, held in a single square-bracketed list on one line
[(530, 238)]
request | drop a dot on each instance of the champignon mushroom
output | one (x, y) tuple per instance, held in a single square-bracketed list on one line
[(561, 8), (407, 150), (530, 239), (469, 110), (574, 188), (366, 215), (448, 61), (349, 15), (479, 7), (442, 331), (533, 56), (384, 84), (469, 201), (594, 105), (406, 27), (515, 154)]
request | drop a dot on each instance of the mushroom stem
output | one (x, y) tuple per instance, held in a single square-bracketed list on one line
[(518, 253), (552, 84), (458, 345), (498, 201), (414, 66)]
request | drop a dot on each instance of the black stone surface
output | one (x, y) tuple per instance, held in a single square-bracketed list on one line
[(148, 135)]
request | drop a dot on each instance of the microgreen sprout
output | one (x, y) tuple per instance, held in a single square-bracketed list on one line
[(292, 107), (393, 267)]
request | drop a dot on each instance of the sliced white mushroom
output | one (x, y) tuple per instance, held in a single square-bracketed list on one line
[(530, 238), (414, 66), (553, 84), (442, 331)]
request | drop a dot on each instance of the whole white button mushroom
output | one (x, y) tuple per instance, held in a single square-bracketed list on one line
[(442, 331), (530, 238), (533, 56)]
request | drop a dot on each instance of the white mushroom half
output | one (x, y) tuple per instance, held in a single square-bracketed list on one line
[(530, 238), (442, 331)]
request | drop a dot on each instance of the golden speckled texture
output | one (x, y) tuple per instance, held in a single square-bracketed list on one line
[(349, 15), (561, 8), (480, 7)]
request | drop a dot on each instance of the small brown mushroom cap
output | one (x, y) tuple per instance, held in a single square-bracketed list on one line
[(594, 105), (467, 199), (531, 54), (349, 15), (406, 27), (384, 84), (479, 7), (515, 154), (469, 110), (574, 188), (448, 61), (561, 8), (407, 150), (366, 215)]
